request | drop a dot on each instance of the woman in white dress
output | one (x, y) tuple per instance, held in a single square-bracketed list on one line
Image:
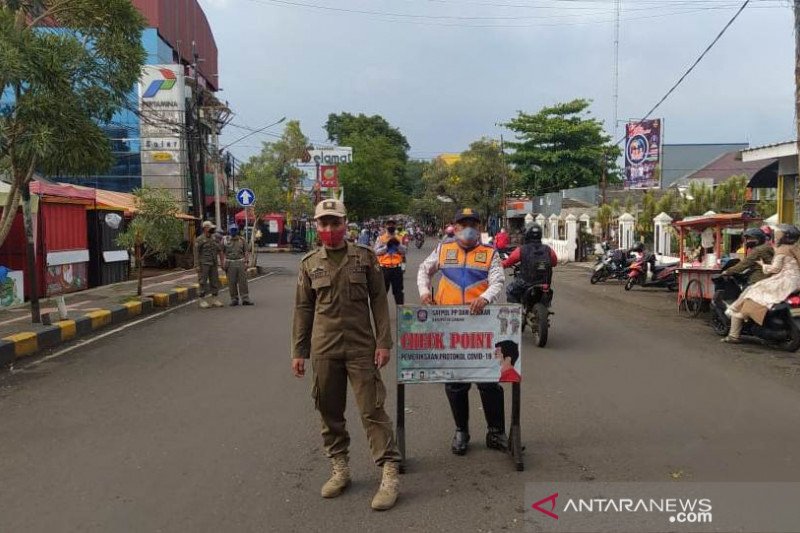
[(759, 298)]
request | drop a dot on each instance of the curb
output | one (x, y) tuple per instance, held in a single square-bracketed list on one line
[(26, 343)]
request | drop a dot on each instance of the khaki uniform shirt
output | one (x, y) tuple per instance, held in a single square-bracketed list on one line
[(333, 304), (235, 249), (764, 252), (206, 250)]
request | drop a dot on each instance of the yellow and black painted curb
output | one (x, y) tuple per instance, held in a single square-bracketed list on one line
[(27, 343)]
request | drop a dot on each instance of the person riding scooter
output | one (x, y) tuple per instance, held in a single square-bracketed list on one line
[(758, 249), (533, 257)]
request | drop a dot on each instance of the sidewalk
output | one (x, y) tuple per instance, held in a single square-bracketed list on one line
[(93, 309)]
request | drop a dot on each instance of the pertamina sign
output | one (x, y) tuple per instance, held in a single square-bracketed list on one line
[(162, 106)]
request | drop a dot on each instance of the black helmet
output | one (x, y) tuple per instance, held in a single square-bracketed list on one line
[(757, 234), (789, 234), (533, 234), (638, 247)]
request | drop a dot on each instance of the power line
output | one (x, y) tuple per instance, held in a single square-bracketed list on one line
[(692, 67)]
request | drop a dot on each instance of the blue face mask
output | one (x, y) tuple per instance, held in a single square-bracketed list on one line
[(468, 237)]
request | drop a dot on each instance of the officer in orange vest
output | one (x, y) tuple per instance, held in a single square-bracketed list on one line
[(391, 252), (471, 275)]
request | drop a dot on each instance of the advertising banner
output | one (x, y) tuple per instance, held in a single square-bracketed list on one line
[(445, 344), (329, 176), (643, 154)]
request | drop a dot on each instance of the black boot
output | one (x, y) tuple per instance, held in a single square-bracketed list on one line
[(496, 439), (234, 302), (460, 442), (458, 396)]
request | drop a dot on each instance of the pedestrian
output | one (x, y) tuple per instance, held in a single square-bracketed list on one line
[(471, 275), (207, 253), (340, 292), (235, 266), (391, 252)]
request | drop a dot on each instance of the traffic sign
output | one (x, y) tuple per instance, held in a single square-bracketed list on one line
[(246, 197)]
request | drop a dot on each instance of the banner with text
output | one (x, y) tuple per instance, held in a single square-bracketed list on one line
[(439, 344), (643, 154)]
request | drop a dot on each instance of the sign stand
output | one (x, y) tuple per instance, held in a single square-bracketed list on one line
[(514, 436)]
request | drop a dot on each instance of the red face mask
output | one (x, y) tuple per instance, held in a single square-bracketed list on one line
[(332, 238)]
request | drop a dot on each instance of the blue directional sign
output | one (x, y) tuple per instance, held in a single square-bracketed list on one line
[(246, 197)]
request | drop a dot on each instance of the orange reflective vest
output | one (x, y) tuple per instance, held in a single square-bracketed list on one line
[(390, 260), (465, 273)]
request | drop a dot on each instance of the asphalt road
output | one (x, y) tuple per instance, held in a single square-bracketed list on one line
[(193, 422)]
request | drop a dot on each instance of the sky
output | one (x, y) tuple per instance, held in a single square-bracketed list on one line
[(448, 72)]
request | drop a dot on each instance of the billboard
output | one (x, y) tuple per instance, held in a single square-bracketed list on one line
[(162, 112), (643, 141)]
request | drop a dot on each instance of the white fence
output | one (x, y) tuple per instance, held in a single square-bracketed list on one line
[(565, 250)]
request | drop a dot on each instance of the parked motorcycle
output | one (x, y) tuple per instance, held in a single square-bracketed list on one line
[(662, 276), (781, 327), (613, 264)]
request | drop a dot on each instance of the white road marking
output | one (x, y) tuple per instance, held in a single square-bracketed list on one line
[(85, 342)]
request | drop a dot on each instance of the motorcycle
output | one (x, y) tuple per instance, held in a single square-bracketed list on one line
[(536, 311), (781, 327), (662, 276), (419, 239), (611, 265)]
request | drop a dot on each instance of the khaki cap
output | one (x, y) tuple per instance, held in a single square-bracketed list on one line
[(330, 208), (208, 224)]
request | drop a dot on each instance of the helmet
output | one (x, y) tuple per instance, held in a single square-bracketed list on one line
[(757, 235), (789, 234), (533, 234), (638, 247)]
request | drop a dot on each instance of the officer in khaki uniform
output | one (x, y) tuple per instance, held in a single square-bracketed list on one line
[(339, 284), (235, 265), (206, 255)]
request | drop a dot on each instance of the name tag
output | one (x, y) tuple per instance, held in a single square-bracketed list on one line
[(480, 257), (451, 257)]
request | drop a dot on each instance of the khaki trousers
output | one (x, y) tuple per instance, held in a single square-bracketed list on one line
[(209, 280), (237, 279), (330, 398)]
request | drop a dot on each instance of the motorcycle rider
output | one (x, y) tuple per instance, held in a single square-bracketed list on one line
[(535, 258), (755, 241)]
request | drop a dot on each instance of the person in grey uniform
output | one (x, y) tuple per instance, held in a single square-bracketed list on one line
[(235, 265)]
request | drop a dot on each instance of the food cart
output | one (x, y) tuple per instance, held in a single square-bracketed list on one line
[(695, 272)]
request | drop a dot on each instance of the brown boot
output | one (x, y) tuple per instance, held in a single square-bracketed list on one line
[(340, 477), (387, 494)]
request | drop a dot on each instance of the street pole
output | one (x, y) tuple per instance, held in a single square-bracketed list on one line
[(503, 200), (797, 77), (604, 176), (33, 289)]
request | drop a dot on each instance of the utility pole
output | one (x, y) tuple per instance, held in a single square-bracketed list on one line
[(797, 76), (604, 175), (201, 167), (503, 205)]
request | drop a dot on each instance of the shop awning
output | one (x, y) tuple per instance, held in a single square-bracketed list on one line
[(766, 178)]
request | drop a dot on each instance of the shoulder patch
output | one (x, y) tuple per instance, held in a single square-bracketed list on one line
[(309, 254)]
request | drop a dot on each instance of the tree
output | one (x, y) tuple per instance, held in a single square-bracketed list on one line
[(605, 216), (376, 182), (61, 85), (155, 230), (729, 196), (561, 147), (480, 172), (698, 200), (345, 125), (273, 174)]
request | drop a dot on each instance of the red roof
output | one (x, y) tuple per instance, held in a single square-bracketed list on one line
[(701, 223)]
